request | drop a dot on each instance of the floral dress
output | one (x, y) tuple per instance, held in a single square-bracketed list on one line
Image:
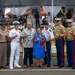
[(39, 46)]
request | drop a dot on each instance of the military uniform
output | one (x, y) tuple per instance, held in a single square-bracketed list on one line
[(3, 47), (15, 47), (59, 41), (48, 34), (70, 31), (8, 48)]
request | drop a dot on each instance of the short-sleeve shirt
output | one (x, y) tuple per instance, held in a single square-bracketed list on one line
[(28, 41), (48, 18), (30, 18), (59, 30), (8, 40), (70, 36), (48, 33), (2, 37), (12, 33)]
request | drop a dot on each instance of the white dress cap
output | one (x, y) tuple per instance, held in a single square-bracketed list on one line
[(16, 22), (69, 20), (58, 19)]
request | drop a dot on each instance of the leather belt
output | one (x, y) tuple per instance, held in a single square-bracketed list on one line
[(2, 42), (70, 40)]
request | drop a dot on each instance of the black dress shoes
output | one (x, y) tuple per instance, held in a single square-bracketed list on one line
[(48, 65), (73, 67), (3, 67), (56, 65)]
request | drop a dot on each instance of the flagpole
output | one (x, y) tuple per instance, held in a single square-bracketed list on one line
[(52, 12)]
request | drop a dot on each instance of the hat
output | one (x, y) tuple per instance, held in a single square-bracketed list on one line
[(58, 19), (16, 22), (69, 20), (45, 23), (2, 24)]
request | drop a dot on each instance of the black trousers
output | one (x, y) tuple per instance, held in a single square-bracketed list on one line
[(47, 59), (28, 52), (8, 52), (37, 23)]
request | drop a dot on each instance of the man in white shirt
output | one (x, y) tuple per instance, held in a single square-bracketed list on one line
[(73, 21), (30, 17), (48, 18), (48, 33), (14, 35)]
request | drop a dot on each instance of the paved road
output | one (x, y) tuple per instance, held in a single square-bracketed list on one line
[(38, 72), (34, 71)]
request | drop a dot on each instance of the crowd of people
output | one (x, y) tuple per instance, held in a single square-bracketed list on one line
[(36, 42)]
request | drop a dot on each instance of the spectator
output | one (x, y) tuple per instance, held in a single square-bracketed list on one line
[(48, 18), (37, 16), (69, 14), (73, 21)]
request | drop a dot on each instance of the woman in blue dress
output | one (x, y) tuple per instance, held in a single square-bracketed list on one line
[(39, 47)]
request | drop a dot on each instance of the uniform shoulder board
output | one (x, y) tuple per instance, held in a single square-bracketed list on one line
[(50, 30)]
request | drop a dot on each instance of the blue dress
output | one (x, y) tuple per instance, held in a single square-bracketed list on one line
[(38, 50)]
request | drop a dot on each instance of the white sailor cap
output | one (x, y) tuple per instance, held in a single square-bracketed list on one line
[(69, 20), (57, 19), (16, 22)]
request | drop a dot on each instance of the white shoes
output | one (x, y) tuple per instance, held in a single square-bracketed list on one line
[(11, 67), (18, 66)]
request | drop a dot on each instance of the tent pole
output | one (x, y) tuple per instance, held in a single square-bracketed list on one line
[(52, 12)]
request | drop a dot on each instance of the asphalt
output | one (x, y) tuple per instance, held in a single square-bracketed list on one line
[(53, 70)]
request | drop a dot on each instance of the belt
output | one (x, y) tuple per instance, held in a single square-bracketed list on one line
[(2, 42), (47, 41), (70, 40), (15, 41), (8, 41), (58, 38)]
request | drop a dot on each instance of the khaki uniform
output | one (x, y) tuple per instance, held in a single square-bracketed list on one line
[(3, 46), (70, 36), (70, 44), (8, 49), (58, 30)]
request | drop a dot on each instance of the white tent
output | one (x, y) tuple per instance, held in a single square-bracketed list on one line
[(17, 11)]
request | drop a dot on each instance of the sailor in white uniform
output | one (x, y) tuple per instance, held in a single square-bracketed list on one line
[(48, 33), (14, 35)]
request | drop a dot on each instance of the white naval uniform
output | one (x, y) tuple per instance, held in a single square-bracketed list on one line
[(15, 47), (48, 33)]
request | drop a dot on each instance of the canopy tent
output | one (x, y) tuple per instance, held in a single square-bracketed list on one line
[(25, 11), (21, 3), (17, 11), (56, 9), (18, 3)]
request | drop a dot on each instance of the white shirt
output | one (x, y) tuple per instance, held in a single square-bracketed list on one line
[(48, 18), (73, 15), (73, 23), (12, 33), (30, 18), (48, 33)]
